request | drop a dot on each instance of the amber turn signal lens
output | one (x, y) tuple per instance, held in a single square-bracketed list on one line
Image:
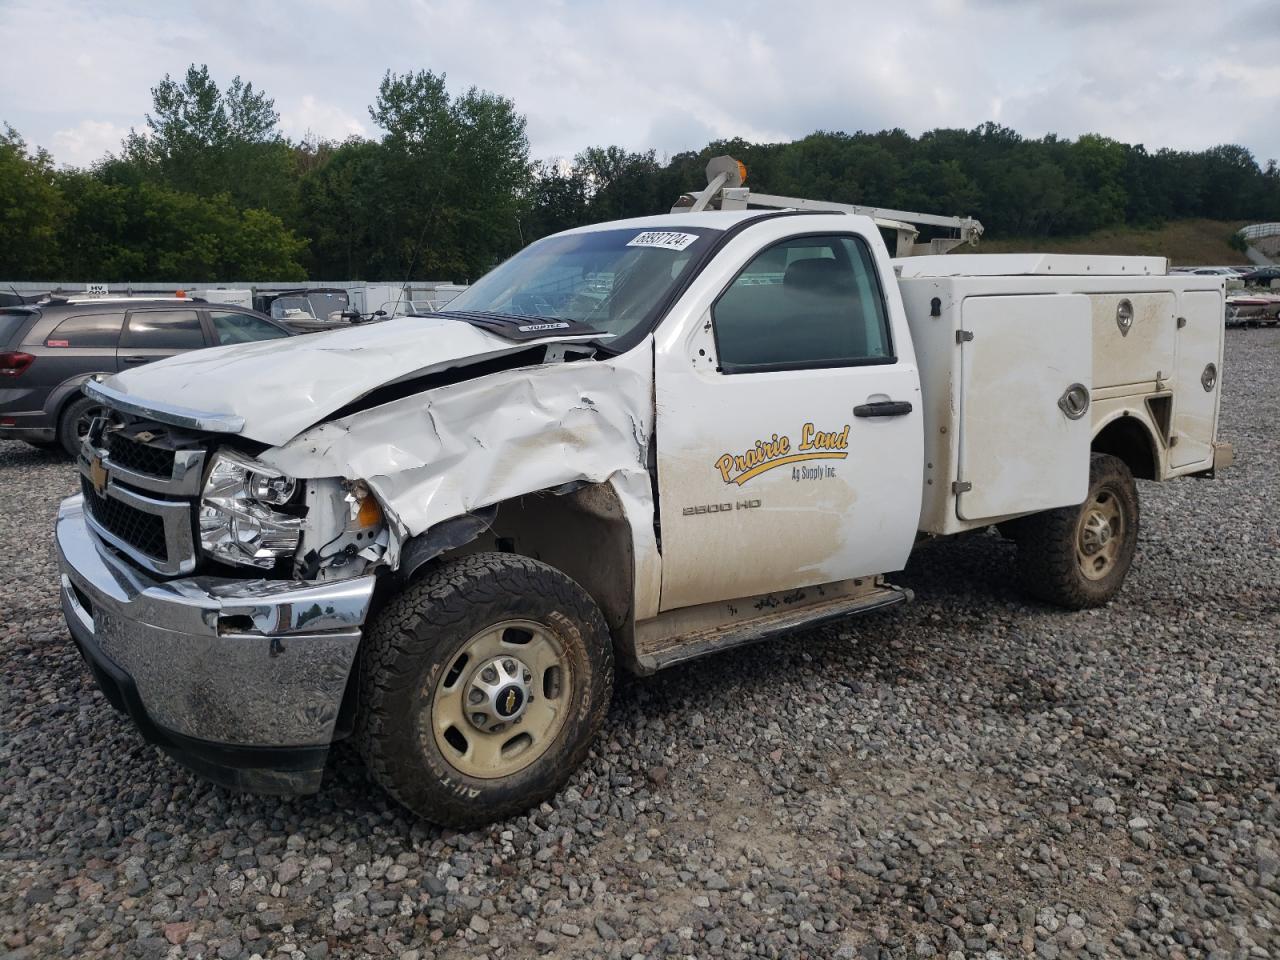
[(370, 514)]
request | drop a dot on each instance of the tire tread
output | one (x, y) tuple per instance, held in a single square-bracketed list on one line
[(1048, 569), (400, 638)]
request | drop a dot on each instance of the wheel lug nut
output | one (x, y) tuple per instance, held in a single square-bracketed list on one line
[(490, 675), (478, 719)]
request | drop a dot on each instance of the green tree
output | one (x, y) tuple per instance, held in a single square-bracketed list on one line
[(201, 139), (336, 187), (32, 208), (151, 232), (619, 183), (449, 185), (557, 200)]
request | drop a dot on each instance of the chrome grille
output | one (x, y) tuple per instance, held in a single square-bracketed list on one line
[(140, 490), (142, 531), (137, 456)]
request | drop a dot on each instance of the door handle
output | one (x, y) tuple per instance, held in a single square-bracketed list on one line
[(136, 359), (883, 408)]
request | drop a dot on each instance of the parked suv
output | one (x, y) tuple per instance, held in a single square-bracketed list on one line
[(49, 349)]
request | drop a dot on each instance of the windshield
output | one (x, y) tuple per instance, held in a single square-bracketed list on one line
[(317, 305), (612, 280)]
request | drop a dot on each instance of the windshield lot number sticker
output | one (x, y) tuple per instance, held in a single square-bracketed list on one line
[(665, 239)]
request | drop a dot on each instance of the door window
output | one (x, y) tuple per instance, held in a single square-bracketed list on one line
[(164, 330), (89, 330), (805, 302), (242, 328)]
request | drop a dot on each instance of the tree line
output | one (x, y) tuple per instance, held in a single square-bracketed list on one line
[(212, 189)]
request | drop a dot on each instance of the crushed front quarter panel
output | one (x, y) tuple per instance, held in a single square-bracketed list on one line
[(452, 449), (273, 389)]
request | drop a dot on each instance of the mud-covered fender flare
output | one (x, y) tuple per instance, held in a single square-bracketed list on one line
[(441, 537)]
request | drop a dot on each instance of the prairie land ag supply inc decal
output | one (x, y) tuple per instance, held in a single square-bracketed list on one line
[(666, 239), (777, 451)]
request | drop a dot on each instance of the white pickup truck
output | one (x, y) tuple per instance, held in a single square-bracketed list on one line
[(640, 441)]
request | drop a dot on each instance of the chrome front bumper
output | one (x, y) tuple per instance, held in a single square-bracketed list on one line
[(257, 664)]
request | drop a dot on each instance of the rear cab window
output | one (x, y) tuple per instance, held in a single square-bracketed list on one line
[(101, 330), (163, 330)]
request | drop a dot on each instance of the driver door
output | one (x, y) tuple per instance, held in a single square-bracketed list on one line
[(788, 421)]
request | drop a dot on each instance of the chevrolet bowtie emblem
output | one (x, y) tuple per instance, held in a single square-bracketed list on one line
[(510, 706), (98, 476)]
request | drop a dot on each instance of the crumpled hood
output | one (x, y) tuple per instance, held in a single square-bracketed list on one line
[(281, 387)]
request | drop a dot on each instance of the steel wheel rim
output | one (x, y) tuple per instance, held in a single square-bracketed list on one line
[(503, 745), (1100, 535), (85, 421)]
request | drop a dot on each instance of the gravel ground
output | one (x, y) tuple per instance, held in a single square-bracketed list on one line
[(967, 776)]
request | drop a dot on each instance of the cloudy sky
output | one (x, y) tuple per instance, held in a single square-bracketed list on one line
[(665, 74)]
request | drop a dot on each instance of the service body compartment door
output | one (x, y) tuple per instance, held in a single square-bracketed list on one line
[(1023, 446), (1196, 380), (1134, 333)]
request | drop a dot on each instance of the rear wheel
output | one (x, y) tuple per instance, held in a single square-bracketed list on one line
[(75, 421), (482, 686), (1078, 557)]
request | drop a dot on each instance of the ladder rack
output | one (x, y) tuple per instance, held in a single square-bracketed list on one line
[(724, 191)]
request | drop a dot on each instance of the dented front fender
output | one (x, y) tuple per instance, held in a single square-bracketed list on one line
[(458, 448)]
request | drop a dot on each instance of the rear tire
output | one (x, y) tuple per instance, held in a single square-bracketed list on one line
[(482, 686), (1078, 557), (74, 423)]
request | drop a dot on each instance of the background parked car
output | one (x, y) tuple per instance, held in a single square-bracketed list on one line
[(49, 349), (309, 311), (1262, 277)]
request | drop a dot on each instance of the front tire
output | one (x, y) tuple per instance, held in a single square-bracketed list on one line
[(75, 421), (482, 686), (1078, 557)]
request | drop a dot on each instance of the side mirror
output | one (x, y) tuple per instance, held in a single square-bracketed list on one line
[(379, 313)]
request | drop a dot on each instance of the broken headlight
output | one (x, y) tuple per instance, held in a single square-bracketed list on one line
[(238, 520)]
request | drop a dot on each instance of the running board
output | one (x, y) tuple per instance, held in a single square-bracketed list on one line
[(710, 640)]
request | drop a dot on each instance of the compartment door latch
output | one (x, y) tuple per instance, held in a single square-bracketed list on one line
[(1074, 402)]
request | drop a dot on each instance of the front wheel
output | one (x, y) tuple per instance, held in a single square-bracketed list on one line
[(1078, 557), (74, 424), (482, 685)]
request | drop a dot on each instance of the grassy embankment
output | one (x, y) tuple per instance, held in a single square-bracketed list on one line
[(1184, 242)]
